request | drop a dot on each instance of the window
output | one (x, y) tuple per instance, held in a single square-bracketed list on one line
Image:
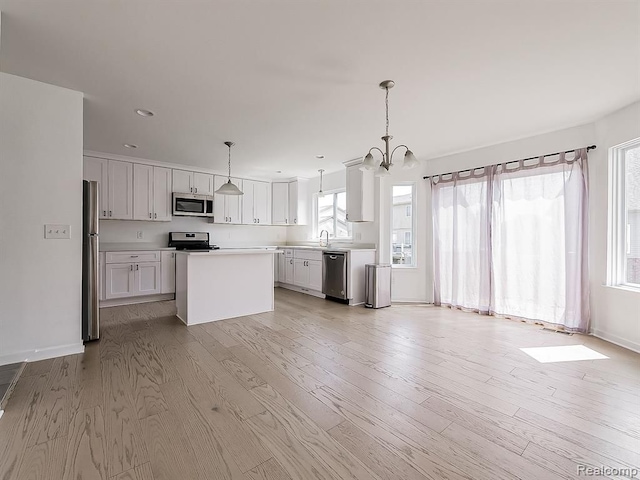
[(624, 215), (402, 226), (331, 215)]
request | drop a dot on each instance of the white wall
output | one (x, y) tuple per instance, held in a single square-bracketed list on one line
[(125, 231), (614, 312), (40, 182), (363, 233)]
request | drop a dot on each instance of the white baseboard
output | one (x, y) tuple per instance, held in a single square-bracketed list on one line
[(116, 302), (42, 354), (621, 342)]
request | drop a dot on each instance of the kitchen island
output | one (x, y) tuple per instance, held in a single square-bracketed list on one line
[(226, 283)]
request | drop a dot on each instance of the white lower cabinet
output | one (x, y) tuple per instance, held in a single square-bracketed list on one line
[(300, 273), (119, 280), (301, 268), (147, 278), (140, 273), (281, 268), (168, 272), (288, 271), (315, 274)]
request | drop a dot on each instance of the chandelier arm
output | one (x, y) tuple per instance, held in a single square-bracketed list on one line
[(394, 150), (376, 148)]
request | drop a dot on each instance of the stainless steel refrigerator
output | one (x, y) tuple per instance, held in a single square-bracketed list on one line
[(90, 284)]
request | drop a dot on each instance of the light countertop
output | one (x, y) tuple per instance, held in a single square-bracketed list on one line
[(327, 249), (229, 251), (131, 247)]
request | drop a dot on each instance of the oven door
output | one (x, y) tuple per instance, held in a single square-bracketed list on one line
[(192, 205)]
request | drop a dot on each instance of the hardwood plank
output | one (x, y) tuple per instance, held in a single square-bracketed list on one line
[(382, 461), (86, 456), (208, 441), (297, 461), (170, 451), (269, 470), (44, 461), (125, 444), (243, 374), (141, 472), (323, 416), (145, 387), (54, 412), (316, 440)]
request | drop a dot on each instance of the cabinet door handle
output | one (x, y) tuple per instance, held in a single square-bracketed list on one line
[(131, 268), (347, 216), (196, 189), (133, 256), (291, 261), (149, 214), (104, 213), (295, 220), (137, 266), (258, 220), (109, 212), (155, 215)]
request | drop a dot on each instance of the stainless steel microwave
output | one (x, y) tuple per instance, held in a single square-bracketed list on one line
[(188, 205)]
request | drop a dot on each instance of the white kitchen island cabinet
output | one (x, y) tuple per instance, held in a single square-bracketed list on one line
[(222, 284)]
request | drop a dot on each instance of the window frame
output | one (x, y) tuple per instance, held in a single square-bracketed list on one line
[(617, 218), (414, 253), (316, 230)]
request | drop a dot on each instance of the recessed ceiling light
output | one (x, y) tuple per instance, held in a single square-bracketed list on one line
[(320, 157), (130, 145), (144, 113)]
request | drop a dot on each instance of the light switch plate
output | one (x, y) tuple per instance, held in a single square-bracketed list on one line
[(52, 231)]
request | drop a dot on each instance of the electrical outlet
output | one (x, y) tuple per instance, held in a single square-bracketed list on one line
[(52, 231), (139, 235)]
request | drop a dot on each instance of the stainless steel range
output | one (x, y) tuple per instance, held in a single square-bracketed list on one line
[(191, 241)]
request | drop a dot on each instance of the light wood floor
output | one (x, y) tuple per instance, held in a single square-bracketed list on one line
[(319, 390)]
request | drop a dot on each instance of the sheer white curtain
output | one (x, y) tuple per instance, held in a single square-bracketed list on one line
[(512, 240)]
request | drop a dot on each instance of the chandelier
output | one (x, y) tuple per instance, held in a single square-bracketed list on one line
[(369, 163)]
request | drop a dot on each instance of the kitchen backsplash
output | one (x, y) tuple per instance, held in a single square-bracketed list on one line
[(126, 231)]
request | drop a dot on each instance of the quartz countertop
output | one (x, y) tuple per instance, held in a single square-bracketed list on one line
[(327, 249), (131, 247), (229, 251)]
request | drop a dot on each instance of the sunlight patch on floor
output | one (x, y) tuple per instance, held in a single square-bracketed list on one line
[(565, 353)]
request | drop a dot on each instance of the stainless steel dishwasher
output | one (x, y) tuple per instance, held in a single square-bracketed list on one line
[(334, 274)]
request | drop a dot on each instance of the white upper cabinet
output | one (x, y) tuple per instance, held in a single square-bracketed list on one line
[(280, 203), (120, 190), (162, 194), (298, 202), (359, 194), (262, 202), (142, 192), (227, 208), (151, 193), (97, 170), (256, 203), (203, 184), (182, 181), (185, 181)]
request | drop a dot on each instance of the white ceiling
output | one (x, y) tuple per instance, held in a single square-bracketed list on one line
[(287, 80)]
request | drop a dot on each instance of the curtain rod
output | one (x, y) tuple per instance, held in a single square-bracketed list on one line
[(590, 147)]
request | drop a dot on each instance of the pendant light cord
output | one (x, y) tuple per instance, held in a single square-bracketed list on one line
[(229, 177)]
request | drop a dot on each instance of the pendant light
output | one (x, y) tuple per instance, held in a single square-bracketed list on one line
[(369, 163), (320, 192), (229, 188)]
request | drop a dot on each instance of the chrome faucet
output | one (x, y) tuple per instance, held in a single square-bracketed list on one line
[(326, 244)]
